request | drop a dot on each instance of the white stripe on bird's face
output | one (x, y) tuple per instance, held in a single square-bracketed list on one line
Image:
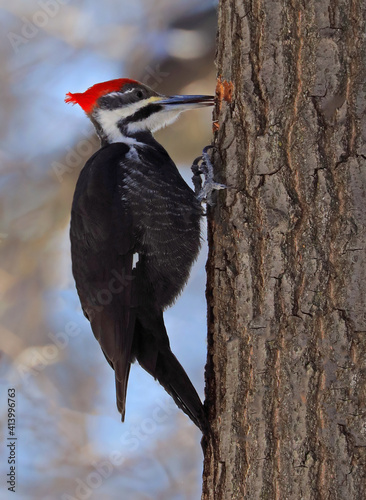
[(154, 122), (108, 119)]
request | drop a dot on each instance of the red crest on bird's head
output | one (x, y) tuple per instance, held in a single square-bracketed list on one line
[(88, 99)]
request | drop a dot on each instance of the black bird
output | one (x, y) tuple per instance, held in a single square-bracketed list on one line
[(135, 233)]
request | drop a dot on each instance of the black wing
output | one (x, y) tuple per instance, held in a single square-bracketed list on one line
[(102, 247)]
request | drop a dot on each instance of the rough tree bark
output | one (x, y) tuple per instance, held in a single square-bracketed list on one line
[(286, 287)]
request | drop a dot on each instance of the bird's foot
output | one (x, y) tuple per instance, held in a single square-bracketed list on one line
[(203, 166)]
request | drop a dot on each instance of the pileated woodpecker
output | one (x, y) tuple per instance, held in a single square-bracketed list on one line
[(135, 233)]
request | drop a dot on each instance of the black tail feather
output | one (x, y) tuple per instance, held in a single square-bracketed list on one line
[(121, 391), (171, 375), (152, 350)]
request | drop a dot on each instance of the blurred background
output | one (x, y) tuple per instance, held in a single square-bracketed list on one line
[(71, 443)]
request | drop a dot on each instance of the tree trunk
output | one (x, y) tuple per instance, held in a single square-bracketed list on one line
[(286, 289)]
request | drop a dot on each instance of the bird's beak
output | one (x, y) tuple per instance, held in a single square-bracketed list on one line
[(184, 102)]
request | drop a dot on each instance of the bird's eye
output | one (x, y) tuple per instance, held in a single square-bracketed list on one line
[(139, 94)]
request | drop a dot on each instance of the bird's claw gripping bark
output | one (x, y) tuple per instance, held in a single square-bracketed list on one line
[(203, 165)]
